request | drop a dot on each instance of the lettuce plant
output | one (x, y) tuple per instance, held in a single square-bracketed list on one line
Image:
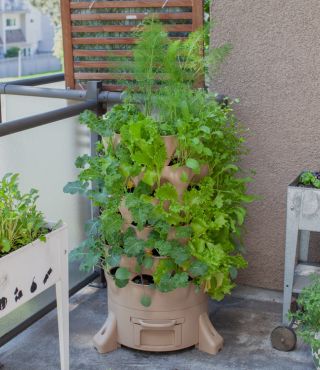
[(20, 221)]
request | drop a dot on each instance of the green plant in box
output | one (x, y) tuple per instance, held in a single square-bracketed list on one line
[(20, 221)]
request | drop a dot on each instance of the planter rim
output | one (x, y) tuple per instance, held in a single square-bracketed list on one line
[(36, 242)]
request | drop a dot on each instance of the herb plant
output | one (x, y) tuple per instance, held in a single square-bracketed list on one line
[(20, 221), (195, 232), (310, 178), (307, 317)]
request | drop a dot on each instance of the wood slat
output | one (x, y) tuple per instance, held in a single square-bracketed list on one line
[(126, 16), (130, 4), (102, 53), (99, 64), (105, 87), (113, 28), (103, 41), (67, 44), (103, 76), (197, 11), (110, 40)]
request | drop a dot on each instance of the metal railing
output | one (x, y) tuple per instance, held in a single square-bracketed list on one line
[(92, 98)]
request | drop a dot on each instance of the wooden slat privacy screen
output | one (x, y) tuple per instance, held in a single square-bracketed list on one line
[(95, 32)]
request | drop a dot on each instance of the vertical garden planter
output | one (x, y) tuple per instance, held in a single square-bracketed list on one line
[(30, 270), (169, 189)]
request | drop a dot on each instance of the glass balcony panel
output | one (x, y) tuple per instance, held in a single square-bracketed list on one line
[(44, 158)]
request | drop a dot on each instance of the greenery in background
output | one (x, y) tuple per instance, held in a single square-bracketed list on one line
[(307, 317), (12, 52), (207, 219), (20, 221)]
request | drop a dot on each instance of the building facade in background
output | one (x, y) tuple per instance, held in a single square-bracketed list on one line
[(24, 27)]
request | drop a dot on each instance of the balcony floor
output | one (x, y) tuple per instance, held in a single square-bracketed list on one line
[(245, 325)]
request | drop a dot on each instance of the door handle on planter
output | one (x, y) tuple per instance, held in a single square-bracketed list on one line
[(168, 324)]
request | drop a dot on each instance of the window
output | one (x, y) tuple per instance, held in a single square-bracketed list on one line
[(11, 22)]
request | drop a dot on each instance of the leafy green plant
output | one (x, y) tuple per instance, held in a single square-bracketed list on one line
[(307, 317), (12, 52), (20, 221), (310, 178), (196, 233)]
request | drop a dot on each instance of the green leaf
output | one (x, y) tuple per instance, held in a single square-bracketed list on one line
[(233, 272), (133, 246), (198, 268), (184, 177), (147, 262), (183, 232), (122, 274), (113, 260), (75, 187), (149, 177), (193, 164), (92, 228), (180, 255), (205, 129), (121, 283), (146, 301), (6, 245), (219, 221), (167, 192)]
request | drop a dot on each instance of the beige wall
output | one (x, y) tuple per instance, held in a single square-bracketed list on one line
[(274, 69)]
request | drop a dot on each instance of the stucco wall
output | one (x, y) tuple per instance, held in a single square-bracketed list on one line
[(274, 69)]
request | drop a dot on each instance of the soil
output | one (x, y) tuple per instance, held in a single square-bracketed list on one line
[(155, 253), (143, 279), (173, 162), (113, 271)]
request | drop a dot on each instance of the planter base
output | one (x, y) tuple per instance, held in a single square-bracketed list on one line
[(174, 321)]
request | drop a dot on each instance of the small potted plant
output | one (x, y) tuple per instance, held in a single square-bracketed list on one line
[(307, 317)]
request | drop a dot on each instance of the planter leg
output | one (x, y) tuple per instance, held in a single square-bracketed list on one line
[(210, 340), (106, 338), (62, 295)]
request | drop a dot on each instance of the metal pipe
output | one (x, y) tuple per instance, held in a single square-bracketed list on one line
[(41, 119), (110, 97), (43, 92), (57, 77)]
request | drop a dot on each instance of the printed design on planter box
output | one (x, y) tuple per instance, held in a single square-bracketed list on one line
[(18, 294), (3, 303), (47, 276), (34, 286)]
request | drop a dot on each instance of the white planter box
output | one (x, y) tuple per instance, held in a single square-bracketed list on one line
[(34, 268)]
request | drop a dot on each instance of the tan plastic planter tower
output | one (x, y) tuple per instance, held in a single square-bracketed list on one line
[(174, 320)]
